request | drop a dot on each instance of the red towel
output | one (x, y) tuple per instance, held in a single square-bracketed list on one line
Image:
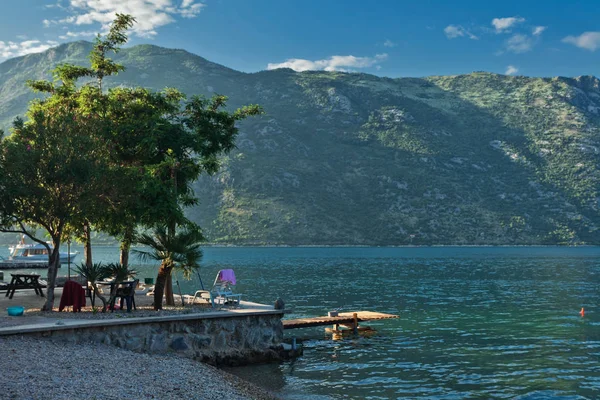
[(73, 295)]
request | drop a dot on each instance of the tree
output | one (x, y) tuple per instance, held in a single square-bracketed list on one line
[(48, 165), (139, 152), (119, 273), (180, 251), (94, 273), (53, 165)]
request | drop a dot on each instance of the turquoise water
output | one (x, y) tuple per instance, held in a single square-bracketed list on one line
[(475, 323)]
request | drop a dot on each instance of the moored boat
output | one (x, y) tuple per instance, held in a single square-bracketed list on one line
[(36, 253)]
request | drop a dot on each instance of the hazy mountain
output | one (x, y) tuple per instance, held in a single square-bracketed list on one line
[(357, 159)]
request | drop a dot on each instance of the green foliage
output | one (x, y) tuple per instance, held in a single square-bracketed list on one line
[(93, 273), (466, 154), (119, 272), (182, 250)]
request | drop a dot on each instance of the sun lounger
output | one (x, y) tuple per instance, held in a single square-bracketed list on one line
[(222, 292)]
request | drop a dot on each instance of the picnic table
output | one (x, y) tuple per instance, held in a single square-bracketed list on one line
[(24, 281)]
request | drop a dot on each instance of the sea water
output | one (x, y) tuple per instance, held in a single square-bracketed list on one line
[(475, 322)]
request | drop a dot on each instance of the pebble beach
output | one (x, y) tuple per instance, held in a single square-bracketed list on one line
[(43, 369), (39, 368)]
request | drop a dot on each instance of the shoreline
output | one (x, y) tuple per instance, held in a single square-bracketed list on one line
[(67, 371), (326, 246)]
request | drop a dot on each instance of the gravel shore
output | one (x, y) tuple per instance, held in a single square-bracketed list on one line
[(41, 369)]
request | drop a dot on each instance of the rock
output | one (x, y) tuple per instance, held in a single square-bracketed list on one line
[(158, 344), (179, 344), (220, 340), (133, 344), (279, 304)]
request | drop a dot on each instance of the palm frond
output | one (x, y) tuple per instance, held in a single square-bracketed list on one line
[(119, 271), (182, 250), (92, 273)]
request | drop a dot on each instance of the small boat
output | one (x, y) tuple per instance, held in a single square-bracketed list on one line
[(36, 253)]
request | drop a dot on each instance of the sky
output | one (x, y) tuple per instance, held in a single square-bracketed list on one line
[(393, 38)]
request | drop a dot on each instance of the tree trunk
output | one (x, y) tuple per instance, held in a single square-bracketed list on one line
[(87, 243), (169, 297), (98, 295), (164, 272), (52, 271), (126, 246), (124, 258), (113, 293)]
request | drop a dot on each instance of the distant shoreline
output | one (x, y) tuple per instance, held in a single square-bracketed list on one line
[(218, 245)]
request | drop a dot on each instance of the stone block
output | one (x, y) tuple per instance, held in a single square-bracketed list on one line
[(220, 340), (179, 344), (134, 344), (200, 341), (158, 343)]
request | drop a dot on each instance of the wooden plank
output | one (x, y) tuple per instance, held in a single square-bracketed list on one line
[(342, 318)]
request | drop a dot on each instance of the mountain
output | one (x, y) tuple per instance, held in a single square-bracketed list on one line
[(356, 159)]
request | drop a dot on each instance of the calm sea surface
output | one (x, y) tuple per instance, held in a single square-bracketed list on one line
[(476, 323)]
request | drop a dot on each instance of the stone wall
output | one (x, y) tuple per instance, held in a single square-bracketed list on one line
[(228, 340)]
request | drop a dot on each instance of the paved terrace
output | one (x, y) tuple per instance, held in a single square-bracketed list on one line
[(35, 321)]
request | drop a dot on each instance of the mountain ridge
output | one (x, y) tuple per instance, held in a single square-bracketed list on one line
[(357, 159)]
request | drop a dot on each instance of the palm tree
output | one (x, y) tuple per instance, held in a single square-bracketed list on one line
[(179, 251), (93, 273), (119, 273)]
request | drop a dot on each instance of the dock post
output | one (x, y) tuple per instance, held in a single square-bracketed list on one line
[(355, 316)]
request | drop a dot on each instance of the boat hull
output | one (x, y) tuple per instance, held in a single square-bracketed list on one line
[(42, 259)]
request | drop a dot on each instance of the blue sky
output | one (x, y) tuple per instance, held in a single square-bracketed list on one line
[(384, 37)]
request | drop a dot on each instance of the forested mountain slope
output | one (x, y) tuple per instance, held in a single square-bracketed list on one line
[(361, 160)]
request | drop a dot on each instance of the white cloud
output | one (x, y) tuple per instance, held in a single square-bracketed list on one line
[(333, 63), (537, 31), (389, 43), (511, 70), (73, 35), (454, 31), (16, 49), (504, 24), (150, 14), (519, 43), (587, 40)]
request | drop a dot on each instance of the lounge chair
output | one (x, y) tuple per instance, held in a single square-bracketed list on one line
[(221, 292), (202, 295)]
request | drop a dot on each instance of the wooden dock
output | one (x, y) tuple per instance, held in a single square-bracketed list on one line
[(345, 319)]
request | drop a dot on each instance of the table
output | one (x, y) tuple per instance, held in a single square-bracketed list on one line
[(24, 281)]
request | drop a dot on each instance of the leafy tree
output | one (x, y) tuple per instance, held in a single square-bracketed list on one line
[(138, 152), (48, 165)]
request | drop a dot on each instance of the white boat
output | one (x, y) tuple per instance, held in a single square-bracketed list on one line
[(36, 252)]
